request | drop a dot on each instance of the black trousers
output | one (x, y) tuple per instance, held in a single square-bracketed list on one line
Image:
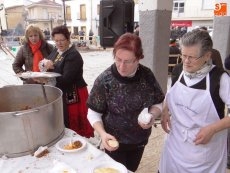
[(228, 148), (128, 154)]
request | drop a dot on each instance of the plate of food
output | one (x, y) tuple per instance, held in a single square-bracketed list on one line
[(70, 145), (30, 74), (109, 167)]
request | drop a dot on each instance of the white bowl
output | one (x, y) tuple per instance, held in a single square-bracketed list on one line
[(63, 142), (110, 164)]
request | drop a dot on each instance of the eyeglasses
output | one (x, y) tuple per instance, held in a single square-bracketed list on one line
[(190, 58), (125, 62), (60, 41), (33, 35)]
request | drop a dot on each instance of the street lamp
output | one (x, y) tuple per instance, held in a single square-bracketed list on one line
[(51, 23), (64, 11), (1, 24), (1, 8), (63, 1)]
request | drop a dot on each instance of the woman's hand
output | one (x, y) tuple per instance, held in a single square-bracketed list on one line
[(46, 64), (105, 137), (41, 80), (204, 135), (165, 119), (49, 64), (149, 125), (147, 120)]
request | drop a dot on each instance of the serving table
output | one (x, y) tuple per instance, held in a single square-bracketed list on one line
[(82, 161)]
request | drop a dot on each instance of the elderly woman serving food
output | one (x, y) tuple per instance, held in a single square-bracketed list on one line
[(193, 114)]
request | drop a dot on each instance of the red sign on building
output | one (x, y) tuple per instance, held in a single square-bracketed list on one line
[(181, 23)]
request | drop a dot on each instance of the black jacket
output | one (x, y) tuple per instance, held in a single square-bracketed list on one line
[(70, 66), (227, 62)]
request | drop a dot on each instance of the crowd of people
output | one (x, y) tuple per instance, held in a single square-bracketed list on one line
[(37, 55), (192, 111)]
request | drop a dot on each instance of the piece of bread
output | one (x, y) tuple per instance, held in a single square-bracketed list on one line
[(113, 143), (41, 151), (106, 170)]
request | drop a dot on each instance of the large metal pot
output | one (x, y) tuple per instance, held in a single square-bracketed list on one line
[(30, 116)]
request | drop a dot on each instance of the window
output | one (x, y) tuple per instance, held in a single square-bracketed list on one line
[(82, 12), (208, 4), (178, 6), (68, 13), (45, 14), (98, 9)]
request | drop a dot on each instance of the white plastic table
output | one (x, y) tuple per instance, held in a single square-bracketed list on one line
[(82, 161)]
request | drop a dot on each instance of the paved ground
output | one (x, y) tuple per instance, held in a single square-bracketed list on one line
[(94, 63)]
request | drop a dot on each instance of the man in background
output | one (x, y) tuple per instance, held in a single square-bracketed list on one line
[(173, 50)]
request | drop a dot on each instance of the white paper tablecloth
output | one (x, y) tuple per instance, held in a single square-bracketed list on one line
[(82, 161)]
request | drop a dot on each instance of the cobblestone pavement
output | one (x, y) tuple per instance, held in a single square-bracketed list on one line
[(151, 157), (94, 63)]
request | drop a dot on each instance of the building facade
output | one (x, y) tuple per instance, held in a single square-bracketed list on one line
[(45, 13), (84, 16), (193, 13)]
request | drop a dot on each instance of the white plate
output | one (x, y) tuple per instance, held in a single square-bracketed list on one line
[(111, 164), (61, 167), (30, 74), (60, 145)]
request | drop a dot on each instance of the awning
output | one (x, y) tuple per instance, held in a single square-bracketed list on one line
[(181, 23)]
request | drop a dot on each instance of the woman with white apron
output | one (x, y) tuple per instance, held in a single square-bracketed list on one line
[(194, 112)]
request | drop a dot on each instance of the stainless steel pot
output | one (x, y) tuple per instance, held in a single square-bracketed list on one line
[(30, 116)]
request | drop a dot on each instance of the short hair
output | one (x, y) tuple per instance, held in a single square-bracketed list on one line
[(33, 28), (130, 42), (197, 37), (203, 28), (62, 29)]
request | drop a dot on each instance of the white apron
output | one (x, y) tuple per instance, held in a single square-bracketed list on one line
[(190, 110)]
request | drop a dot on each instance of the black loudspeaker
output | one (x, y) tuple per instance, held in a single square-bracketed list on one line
[(116, 18)]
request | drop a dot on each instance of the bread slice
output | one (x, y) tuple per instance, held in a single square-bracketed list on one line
[(41, 151), (113, 143), (106, 170)]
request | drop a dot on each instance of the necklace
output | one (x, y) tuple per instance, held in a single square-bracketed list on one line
[(58, 58)]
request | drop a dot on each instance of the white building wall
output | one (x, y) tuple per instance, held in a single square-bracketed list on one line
[(201, 12), (92, 20), (194, 9)]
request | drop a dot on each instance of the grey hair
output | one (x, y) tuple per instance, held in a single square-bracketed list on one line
[(197, 37)]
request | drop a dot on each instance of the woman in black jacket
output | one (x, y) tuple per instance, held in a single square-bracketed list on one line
[(67, 61), (227, 62)]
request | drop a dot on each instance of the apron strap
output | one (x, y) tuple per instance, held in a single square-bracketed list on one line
[(181, 74), (207, 82)]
